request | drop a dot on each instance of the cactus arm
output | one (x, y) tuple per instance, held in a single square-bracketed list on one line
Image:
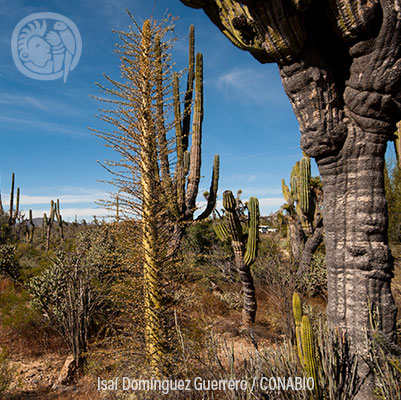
[(286, 192), (16, 206), (10, 218), (160, 123), (195, 154), (179, 169), (221, 231), (304, 184), (309, 354), (235, 229), (253, 232), (186, 118), (297, 311), (279, 40), (31, 228), (59, 218), (163, 151), (211, 200), (49, 223)]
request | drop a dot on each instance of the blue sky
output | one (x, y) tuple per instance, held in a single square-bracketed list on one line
[(44, 125)]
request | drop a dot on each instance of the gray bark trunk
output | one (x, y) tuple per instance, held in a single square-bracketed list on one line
[(310, 247), (359, 262)]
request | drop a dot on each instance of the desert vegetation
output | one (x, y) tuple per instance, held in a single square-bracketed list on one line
[(167, 290)]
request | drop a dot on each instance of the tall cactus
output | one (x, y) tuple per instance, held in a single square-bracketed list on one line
[(297, 311), (13, 215), (59, 218), (164, 196), (31, 228), (245, 250), (48, 224), (305, 342), (305, 224)]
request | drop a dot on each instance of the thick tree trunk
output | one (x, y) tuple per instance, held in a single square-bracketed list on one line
[(310, 247), (248, 288), (359, 262), (295, 237)]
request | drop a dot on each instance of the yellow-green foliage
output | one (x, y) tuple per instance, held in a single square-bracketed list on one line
[(15, 310), (5, 374), (297, 311)]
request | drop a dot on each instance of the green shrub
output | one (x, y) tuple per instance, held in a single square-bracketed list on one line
[(314, 281), (73, 293), (8, 263), (5, 373), (15, 310)]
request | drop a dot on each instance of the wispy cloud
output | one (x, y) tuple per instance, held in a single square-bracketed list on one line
[(79, 196), (252, 84), (23, 100), (243, 178), (70, 213), (50, 127)]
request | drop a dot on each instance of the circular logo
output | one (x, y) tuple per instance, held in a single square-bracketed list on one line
[(46, 46)]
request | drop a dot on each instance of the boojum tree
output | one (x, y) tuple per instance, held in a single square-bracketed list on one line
[(163, 198), (339, 62)]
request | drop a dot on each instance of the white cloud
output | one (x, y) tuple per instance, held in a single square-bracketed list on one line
[(47, 126), (23, 100), (80, 196), (252, 84), (70, 213)]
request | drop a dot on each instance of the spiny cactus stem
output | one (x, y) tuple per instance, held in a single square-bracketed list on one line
[(195, 154)]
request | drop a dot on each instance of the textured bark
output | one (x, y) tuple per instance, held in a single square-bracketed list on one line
[(340, 66), (295, 236), (359, 262), (312, 243), (248, 288)]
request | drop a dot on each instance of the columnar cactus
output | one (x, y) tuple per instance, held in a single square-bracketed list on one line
[(339, 62), (308, 350), (245, 251), (305, 225), (48, 224), (31, 228), (297, 311), (164, 197), (59, 218), (305, 342), (13, 215)]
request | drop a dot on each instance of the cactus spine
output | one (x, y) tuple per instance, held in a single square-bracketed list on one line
[(308, 348), (178, 191), (305, 225), (164, 196), (244, 253), (305, 342), (297, 311)]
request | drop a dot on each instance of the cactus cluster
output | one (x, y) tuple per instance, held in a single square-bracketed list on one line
[(168, 197), (300, 196), (47, 223), (187, 170), (304, 219), (305, 342), (245, 247)]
